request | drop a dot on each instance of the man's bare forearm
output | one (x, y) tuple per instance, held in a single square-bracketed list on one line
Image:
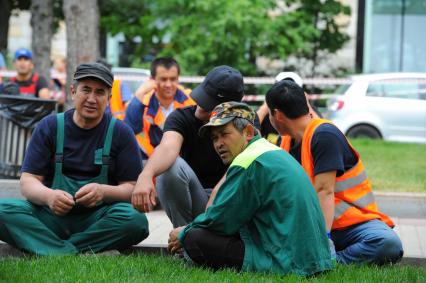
[(122, 192), (33, 189), (164, 155), (324, 185)]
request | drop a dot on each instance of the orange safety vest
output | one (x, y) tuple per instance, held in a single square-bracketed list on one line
[(153, 121), (116, 104), (353, 196), (285, 142)]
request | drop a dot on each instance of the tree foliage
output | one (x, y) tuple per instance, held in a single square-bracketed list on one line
[(202, 34)]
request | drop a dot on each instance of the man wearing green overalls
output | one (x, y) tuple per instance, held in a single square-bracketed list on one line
[(78, 176)]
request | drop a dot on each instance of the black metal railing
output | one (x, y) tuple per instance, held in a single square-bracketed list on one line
[(18, 117)]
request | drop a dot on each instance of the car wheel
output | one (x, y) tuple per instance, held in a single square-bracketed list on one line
[(363, 131)]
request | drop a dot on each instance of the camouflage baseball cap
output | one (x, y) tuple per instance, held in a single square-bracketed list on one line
[(225, 113)]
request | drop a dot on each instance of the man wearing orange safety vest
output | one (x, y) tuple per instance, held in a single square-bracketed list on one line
[(154, 100), (360, 232)]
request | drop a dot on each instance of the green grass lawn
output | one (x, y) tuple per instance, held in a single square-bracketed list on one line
[(394, 167), (153, 268)]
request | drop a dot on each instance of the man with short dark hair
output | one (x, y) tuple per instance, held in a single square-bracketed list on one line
[(265, 216), (78, 176), (154, 100), (266, 128), (361, 233), (30, 83), (185, 164)]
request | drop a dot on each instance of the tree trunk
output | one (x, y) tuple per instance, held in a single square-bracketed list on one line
[(82, 24), (5, 12), (41, 41)]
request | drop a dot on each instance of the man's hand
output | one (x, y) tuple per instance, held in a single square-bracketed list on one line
[(60, 202), (89, 195), (145, 88), (174, 244), (144, 194)]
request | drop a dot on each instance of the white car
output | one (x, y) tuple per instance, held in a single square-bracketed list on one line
[(389, 106)]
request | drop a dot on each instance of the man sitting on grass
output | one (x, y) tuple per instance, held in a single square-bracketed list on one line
[(361, 233), (265, 216), (78, 176)]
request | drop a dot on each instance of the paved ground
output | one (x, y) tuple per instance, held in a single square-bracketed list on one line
[(407, 210)]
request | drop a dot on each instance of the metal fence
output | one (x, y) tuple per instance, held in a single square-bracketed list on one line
[(18, 117)]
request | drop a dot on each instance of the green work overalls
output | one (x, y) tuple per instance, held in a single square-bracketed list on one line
[(38, 230)]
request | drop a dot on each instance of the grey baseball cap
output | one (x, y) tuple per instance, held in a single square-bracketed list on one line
[(94, 70), (221, 84)]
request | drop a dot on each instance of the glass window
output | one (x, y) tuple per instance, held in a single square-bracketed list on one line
[(393, 36), (395, 88), (375, 89)]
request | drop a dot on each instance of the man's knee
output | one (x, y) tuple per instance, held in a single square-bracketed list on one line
[(132, 222), (174, 173), (13, 206), (193, 244), (173, 183), (194, 237), (390, 250), (208, 249)]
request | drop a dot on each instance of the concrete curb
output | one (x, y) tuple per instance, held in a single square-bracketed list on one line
[(147, 249), (413, 261), (400, 194)]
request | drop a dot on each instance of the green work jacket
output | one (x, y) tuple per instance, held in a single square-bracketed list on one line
[(269, 200)]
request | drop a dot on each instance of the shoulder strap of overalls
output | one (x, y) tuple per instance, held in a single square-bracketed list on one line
[(59, 143), (107, 147)]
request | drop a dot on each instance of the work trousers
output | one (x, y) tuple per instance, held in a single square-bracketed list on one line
[(213, 251), (36, 229), (181, 194), (369, 242)]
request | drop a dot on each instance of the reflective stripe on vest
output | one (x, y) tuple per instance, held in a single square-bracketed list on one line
[(30, 89), (360, 203), (353, 196), (350, 182), (118, 108), (154, 116)]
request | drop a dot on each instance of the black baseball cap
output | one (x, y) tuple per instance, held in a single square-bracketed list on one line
[(221, 84), (94, 70)]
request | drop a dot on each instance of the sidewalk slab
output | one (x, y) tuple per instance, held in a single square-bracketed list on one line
[(9, 188)]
